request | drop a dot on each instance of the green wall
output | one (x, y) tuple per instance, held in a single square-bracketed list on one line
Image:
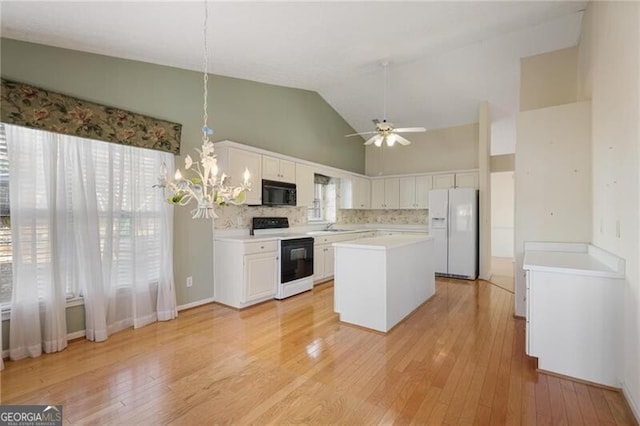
[(279, 119)]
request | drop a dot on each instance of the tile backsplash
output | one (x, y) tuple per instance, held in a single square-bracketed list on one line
[(239, 217), (384, 217)]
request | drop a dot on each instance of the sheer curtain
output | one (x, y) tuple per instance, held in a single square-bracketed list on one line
[(86, 222)]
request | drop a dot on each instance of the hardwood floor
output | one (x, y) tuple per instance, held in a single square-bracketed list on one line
[(502, 273), (458, 359)]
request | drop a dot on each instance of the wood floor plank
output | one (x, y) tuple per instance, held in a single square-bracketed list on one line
[(458, 359)]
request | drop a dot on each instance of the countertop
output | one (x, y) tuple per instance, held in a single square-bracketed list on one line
[(579, 263), (242, 236), (384, 243)]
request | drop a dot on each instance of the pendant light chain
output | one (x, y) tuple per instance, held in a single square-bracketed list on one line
[(384, 102), (205, 129)]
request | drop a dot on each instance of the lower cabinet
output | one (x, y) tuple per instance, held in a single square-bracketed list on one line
[(324, 255), (245, 273), (323, 258), (260, 277)]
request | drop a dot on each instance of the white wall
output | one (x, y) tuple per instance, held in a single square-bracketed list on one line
[(609, 75), (502, 217), (552, 180)]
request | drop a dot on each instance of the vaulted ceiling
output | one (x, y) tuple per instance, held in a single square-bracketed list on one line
[(445, 57)]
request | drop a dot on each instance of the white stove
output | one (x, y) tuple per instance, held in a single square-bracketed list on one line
[(295, 266)]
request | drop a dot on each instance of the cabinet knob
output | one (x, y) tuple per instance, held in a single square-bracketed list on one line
[(261, 247)]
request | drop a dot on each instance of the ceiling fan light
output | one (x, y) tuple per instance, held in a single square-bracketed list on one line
[(378, 142), (391, 140)]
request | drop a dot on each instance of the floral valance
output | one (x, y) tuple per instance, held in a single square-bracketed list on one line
[(30, 106)]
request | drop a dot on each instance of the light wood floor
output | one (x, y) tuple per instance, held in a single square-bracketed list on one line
[(459, 359), (502, 273)]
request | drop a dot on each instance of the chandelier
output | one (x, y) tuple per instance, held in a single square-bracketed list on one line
[(206, 188)]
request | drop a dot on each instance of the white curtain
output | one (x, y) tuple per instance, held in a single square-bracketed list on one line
[(86, 222), (40, 235)]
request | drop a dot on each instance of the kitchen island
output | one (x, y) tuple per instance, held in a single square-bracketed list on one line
[(379, 281)]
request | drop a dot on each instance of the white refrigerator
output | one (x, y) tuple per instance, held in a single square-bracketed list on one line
[(453, 224)]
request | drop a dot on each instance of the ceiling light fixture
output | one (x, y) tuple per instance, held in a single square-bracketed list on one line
[(384, 131), (206, 188)]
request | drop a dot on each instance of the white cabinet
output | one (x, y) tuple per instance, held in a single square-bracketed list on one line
[(362, 193), (323, 255), (467, 180), (245, 273), (385, 193), (444, 181), (278, 169), (233, 162), (355, 193), (304, 185), (323, 258), (456, 180), (259, 276), (414, 192), (574, 297)]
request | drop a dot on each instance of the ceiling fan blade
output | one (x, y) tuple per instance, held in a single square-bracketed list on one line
[(360, 134), (402, 141), (410, 130), (371, 140)]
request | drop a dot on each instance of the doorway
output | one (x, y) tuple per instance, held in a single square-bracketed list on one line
[(502, 229)]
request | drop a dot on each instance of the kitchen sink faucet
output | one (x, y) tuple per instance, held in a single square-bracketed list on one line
[(328, 227)]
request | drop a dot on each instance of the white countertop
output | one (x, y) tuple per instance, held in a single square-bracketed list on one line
[(580, 263), (384, 243), (242, 235)]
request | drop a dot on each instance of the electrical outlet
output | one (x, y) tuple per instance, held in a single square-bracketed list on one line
[(189, 281)]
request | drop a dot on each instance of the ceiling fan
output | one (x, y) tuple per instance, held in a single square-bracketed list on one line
[(384, 131)]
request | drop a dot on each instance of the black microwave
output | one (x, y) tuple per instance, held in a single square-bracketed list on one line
[(278, 193)]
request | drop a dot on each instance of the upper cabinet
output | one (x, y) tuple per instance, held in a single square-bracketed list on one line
[(233, 162), (304, 185), (278, 169), (467, 180), (444, 181), (456, 180), (385, 193), (355, 193), (414, 192)]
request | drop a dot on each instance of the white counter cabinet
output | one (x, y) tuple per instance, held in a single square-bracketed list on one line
[(574, 307), (245, 272), (379, 281), (324, 254)]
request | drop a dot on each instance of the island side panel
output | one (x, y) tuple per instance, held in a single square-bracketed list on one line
[(410, 279), (359, 286)]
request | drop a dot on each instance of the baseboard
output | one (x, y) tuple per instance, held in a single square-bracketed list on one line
[(635, 410), (197, 303), (76, 335)]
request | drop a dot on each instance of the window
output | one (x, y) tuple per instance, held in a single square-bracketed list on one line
[(128, 209), (323, 208), (5, 224)]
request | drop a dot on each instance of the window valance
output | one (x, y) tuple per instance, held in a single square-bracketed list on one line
[(29, 106)]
